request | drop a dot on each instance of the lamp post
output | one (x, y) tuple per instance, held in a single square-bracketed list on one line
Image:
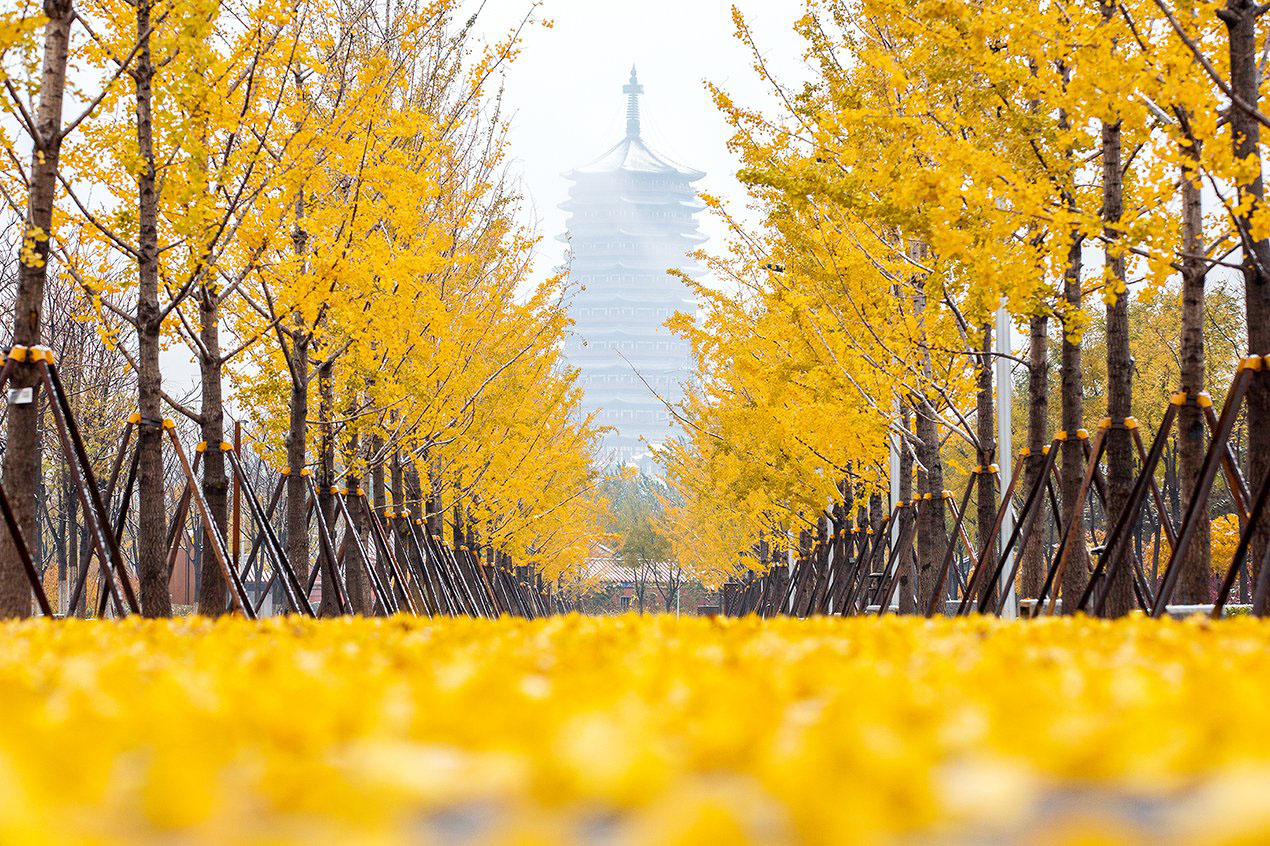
[(1005, 451), (893, 440)]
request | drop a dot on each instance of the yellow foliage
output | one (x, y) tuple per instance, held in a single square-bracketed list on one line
[(648, 729), (1224, 531), (332, 183), (942, 161)]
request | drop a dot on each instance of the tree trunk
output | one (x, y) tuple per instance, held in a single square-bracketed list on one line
[(435, 511), (213, 594), (329, 606), (1192, 434), (1033, 564), (152, 498), (398, 484), (297, 491), (296, 513), (932, 538), (61, 542), (643, 584), (21, 454), (379, 500), (1075, 573), (359, 588), (1240, 17), (1120, 463), (458, 521), (985, 434), (72, 516), (907, 561), (427, 590)]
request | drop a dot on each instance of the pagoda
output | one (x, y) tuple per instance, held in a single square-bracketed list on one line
[(631, 218)]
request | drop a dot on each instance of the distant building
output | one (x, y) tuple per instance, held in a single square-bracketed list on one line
[(607, 585), (611, 586), (631, 217)]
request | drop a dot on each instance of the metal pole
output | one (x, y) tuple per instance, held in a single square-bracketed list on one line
[(893, 440), (895, 484), (1005, 451), (236, 537)]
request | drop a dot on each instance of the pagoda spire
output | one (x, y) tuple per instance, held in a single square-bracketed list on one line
[(632, 90)]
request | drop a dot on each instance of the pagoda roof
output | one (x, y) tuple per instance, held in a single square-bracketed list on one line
[(648, 333), (648, 403), (668, 234), (596, 231), (594, 187), (694, 204), (685, 305), (632, 155), (687, 203), (621, 297), (600, 265), (618, 367)]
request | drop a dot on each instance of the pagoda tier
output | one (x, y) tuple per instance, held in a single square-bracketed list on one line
[(632, 216)]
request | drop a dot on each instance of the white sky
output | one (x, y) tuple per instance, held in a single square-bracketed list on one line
[(564, 95), (565, 89)]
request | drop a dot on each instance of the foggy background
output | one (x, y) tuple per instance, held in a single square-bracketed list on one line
[(563, 98), (564, 91)]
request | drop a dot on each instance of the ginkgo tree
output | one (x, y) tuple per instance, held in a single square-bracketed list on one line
[(944, 161), (313, 200)]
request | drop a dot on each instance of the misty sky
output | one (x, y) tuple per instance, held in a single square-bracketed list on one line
[(565, 97), (565, 89)]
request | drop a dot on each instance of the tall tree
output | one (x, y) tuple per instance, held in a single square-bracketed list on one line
[(1240, 18), (152, 498), (1192, 432), (1038, 435), (986, 455), (22, 470), (1120, 462)]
